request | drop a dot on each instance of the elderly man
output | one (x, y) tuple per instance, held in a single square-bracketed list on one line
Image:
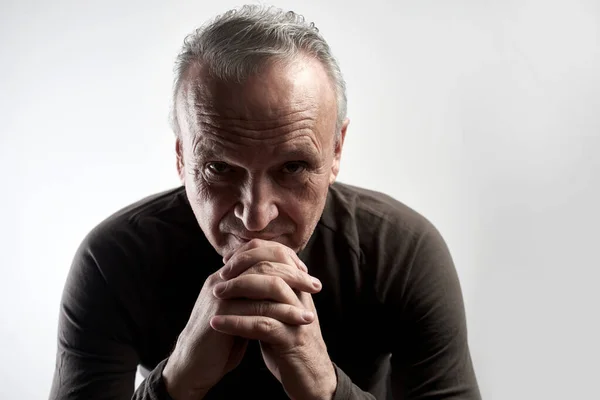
[(260, 277)]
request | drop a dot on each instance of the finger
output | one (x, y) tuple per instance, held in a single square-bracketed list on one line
[(296, 279), (307, 302), (285, 313), (257, 287), (257, 243), (241, 261), (246, 246), (263, 251), (265, 329)]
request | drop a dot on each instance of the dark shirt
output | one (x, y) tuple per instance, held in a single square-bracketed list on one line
[(391, 309)]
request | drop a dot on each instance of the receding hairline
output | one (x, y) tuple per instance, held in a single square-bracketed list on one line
[(240, 41), (199, 70), (198, 76)]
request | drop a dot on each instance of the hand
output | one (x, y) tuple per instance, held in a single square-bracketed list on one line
[(296, 354), (202, 355)]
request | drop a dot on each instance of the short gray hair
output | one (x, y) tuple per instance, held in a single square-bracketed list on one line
[(236, 44)]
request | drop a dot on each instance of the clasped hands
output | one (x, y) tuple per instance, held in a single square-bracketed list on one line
[(263, 292)]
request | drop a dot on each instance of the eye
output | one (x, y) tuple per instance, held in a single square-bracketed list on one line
[(218, 168), (294, 167)]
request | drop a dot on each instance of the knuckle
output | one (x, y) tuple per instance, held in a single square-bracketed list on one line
[(301, 341), (263, 267), (278, 283), (281, 253), (292, 312), (264, 325), (254, 243)]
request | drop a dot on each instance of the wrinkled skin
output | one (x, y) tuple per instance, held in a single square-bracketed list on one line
[(257, 160)]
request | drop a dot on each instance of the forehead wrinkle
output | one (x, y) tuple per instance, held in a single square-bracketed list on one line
[(206, 145), (229, 114), (214, 137), (239, 105), (236, 140), (227, 120), (239, 133), (262, 118)]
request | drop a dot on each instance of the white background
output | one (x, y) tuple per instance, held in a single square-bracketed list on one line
[(482, 115)]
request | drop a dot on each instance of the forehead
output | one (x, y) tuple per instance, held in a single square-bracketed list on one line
[(280, 94)]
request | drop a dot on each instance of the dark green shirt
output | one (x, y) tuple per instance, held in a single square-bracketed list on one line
[(391, 309)]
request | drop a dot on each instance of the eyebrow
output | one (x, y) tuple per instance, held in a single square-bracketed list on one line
[(300, 153), (204, 152), (206, 148)]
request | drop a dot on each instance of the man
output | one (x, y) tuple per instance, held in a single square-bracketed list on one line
[(260, 277)]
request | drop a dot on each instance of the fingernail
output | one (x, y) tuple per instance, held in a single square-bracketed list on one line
[(224, 274), (219, 288), (316, 283), (216, 320), (307, 316)]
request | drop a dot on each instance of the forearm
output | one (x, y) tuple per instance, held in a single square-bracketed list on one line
[(176, 385)]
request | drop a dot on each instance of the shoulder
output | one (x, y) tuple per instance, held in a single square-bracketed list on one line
[(141, 219), (169, 205), (364, 215), (390, 239), (135, 237)]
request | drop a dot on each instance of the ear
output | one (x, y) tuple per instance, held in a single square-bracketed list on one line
[(180, 161), (337, 151)]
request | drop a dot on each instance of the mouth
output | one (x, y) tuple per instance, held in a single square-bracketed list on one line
[(246, 239)]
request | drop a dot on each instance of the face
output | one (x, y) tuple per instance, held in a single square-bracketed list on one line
[(257, 158)]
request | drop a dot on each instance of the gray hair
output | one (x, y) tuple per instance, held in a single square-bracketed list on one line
[(236, 44)]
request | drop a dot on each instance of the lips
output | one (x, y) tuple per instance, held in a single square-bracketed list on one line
[(261, 237)]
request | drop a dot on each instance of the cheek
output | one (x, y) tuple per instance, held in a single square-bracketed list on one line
[(210, 204), (315, 188), (308, 200)]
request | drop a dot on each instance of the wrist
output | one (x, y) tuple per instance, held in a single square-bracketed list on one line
[(329, 385), (325, 387), (176, 385)]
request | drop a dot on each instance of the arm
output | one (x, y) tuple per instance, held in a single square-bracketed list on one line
[(432, 332), (426, 326), (96, 357)]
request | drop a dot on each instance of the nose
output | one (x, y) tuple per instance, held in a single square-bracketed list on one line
[(257, 206)]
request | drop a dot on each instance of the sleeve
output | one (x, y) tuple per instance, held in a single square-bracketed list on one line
[(430, 352), (96, 358), (346, 390), (423, 323)]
